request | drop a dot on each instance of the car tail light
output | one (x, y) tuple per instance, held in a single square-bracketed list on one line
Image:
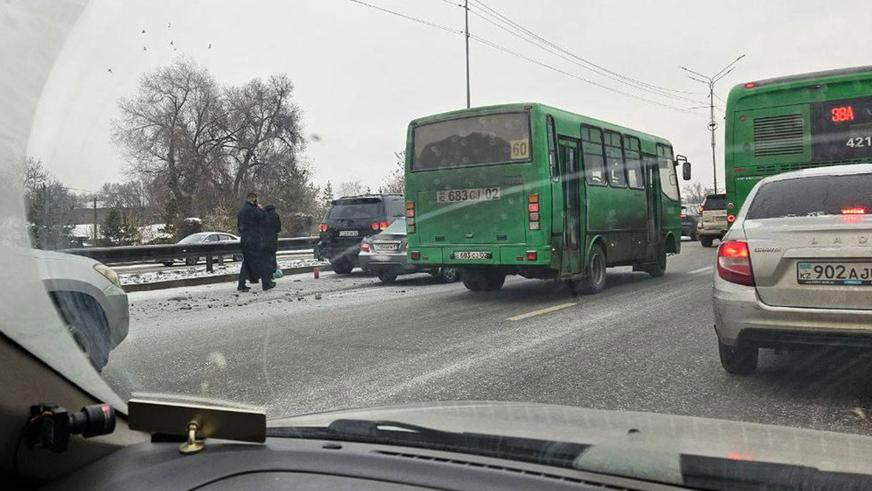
[(855, 210), (731, 218), (410, 217), (533, 211), (532, 255), (683, 215), (415, 255), (379, 225), (323, 227), (364, 247), (734, 263)]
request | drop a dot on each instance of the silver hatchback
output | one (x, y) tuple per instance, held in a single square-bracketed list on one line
[(796, 267)]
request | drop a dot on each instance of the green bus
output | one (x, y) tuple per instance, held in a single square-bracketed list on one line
[(795, 122), (536, 191)]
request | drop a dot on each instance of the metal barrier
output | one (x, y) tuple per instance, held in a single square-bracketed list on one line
[(169, 252)]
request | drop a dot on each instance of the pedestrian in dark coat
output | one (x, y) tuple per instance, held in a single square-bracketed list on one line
[(271, 229), (255, 266)]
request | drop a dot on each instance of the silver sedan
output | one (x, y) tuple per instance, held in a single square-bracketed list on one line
[(384, 254), (795, 269)]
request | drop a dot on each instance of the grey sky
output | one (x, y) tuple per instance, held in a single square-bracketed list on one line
[(361, 75)]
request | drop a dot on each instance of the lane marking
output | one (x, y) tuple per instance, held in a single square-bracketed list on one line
[(701, 270), (546, 310)]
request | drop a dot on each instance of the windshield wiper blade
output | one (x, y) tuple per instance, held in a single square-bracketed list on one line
[(722, 474), (545, 452)]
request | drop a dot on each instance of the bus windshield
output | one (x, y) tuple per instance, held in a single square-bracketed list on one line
[(489, 139)]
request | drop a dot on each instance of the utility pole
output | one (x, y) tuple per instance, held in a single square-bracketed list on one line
[(95, 219), (466, 35), (712, 124)]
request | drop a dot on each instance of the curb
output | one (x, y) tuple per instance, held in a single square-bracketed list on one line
[(208, 280)]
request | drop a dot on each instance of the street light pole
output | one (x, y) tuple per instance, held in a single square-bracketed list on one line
[(713, 125), (466, 35)]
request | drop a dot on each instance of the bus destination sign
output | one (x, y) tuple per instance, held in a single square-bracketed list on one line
[(842, 129)]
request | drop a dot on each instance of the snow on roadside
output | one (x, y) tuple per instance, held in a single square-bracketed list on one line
[(200, 271)]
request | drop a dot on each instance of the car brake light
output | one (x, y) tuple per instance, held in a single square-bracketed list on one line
[(364, 247), (734, 263), (683, 215), (731, 218), (374, 225), (531, 255), (855, 210), (383, 225), (323, 227)]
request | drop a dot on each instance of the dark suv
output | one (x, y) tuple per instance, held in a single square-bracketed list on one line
[(349, 220)]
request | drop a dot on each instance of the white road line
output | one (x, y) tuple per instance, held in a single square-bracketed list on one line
[(701, 270), (541, 311)]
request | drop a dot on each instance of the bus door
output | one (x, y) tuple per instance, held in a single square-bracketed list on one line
[(570, 172), (653, 208)]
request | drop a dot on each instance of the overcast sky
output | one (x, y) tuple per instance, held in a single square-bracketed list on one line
[(361, 74)]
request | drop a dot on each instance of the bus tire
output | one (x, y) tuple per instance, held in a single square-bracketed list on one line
[(493, 280), (706, 241), (594, 280), (471, 280), (446, 275), (658, 269)]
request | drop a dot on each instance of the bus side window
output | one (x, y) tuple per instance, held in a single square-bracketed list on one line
[(668, 180), (633, 155), (615, 160), (551, 133), (592, 154)]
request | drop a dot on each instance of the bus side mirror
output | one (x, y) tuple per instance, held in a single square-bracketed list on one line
[(685, 170)]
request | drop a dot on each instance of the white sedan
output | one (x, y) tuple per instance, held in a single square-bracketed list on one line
[(795, 269)]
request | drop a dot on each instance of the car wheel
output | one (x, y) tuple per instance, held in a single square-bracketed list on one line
[(387, 277), (168, 263), (87, 324), (595, 273), (738, 360), (694, 236), (446, 275), (342, 266), (237, 257), (190, 261), (706, 241)]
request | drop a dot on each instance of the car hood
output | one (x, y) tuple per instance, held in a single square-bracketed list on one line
[(50, 264), (657, 433)]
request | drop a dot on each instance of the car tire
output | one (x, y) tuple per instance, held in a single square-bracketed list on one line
[(191, 261), (168, 263), (738, 360), (87, 324), (694, 236), (237, 257), (446, 275), (595, 273), (342, 266), (385, 277), (706, 241)]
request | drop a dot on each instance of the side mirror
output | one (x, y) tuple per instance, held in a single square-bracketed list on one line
[(685, 170)]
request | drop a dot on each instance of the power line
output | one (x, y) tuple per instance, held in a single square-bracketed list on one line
[(588, 64), (409, 17)]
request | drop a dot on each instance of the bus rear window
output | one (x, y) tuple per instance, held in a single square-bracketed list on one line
[(490, 139), (810, 196)]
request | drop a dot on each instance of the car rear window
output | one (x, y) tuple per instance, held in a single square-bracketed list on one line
[(356, 208), (810, 196), (718, 202)]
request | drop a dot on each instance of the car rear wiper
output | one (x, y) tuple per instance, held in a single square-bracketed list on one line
[(546, 452)]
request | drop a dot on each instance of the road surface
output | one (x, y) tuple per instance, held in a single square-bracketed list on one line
[(644, 344)]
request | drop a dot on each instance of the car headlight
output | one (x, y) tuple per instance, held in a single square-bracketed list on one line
[(108, 273)]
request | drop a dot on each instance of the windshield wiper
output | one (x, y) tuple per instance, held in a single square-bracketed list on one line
[(545, 452)]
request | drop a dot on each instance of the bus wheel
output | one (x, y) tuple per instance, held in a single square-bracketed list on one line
[(493, 281), (471, 280), (446, 275), (595, 273), (658, 269)]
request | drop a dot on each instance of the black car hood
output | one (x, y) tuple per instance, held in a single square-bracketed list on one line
[(662, 433)]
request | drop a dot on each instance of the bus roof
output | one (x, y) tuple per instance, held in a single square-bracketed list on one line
[(524, 106), (747, 93)]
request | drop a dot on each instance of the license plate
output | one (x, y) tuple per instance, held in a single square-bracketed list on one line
[(386, 246), (472, 255), (472, 194), (834, 273), (348, 233)]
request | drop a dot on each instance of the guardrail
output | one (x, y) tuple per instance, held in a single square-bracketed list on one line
[(168, 252)]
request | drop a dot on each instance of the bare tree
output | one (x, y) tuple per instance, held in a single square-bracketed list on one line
[(395, 181), (50, 207), (694, 193), (352, 188)]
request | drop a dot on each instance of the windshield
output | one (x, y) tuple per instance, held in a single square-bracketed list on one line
[(548, 189), (358, 208), (810, 196), (490, 139)]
